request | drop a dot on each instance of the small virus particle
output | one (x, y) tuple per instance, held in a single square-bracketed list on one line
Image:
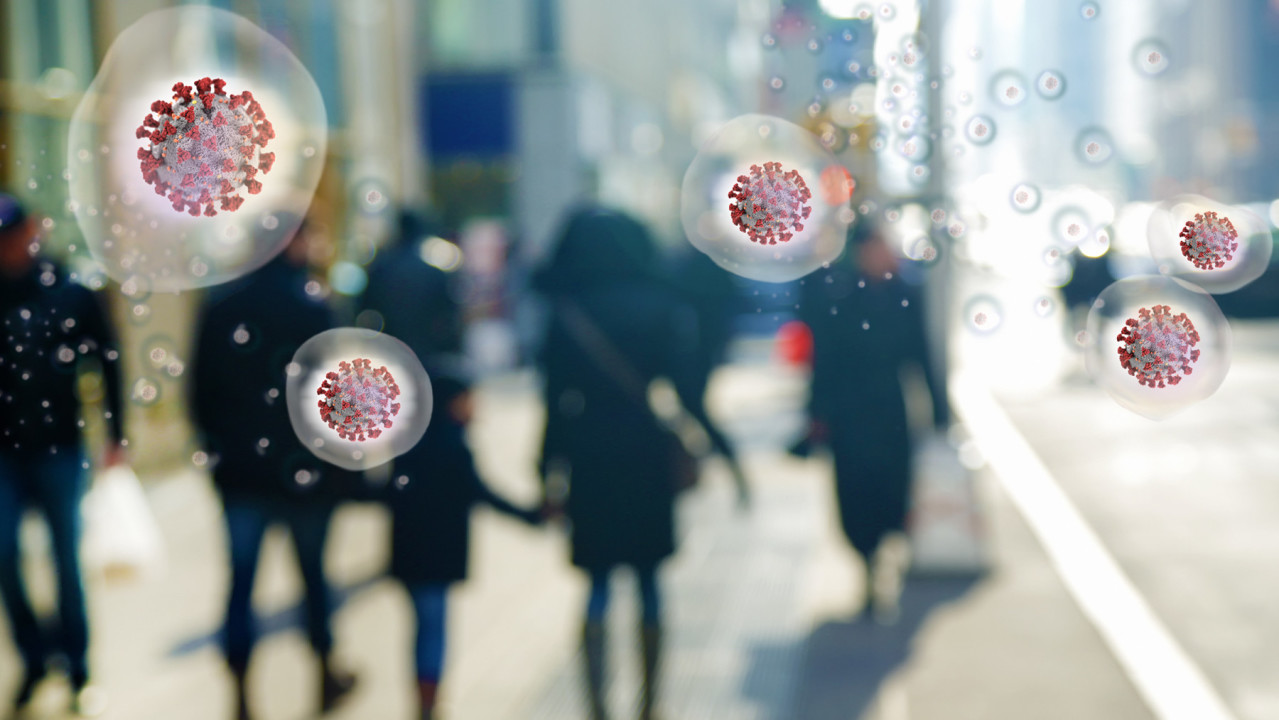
[(1157, 347), (358, 401), (770, 205), (205, 147), (1209, 241)]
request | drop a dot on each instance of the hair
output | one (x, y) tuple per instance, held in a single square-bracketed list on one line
[(599, 247)]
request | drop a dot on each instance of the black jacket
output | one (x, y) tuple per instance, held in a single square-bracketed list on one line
[(49, 324), (248, 333)]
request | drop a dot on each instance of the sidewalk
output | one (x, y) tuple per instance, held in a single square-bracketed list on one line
[(759, 606)]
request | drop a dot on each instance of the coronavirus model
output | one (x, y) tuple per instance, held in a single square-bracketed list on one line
[(1209, 241), (205, 146), (1157, 347), (770, 205), (358, 401)]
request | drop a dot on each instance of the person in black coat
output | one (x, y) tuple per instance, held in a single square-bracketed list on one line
[(603, 282), (867, 327), (50, 324), (248, 333), (435, 483)]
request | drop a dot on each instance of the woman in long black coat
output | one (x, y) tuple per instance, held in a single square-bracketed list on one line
[(867, 326), (604, 281), (435, 484)]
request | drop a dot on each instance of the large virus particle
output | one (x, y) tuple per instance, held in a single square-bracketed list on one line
[(1209, 241), (1157, 347), (358, 401), (770, 205), (205, 147)]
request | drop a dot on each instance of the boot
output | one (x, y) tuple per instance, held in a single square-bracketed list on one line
[(593, 650), (27, 689), (426, 698), (334, 685), (651, 644), (240, 676)]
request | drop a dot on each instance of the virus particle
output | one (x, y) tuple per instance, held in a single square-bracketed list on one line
[(1209, 241), (769, 205), (205, 146), (1157, 347), (358, 401)]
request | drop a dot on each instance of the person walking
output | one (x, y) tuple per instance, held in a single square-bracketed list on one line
[(435, 484), (615, 325), (50, 324), (867, 327), (248, 333)]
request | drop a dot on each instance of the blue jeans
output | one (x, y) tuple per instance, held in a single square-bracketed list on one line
[(54, 484), (247, 521), (430, 603)]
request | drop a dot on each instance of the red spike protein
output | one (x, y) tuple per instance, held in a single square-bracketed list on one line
[(1208, 241), (358, 401), (769, 205), (205, 147), (1157, 346)]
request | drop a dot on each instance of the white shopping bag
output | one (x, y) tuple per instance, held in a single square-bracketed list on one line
[(946, 522), (121, 537)]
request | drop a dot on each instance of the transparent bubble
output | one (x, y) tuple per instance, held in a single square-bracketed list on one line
[(776, 82), (922, 249), (1089, 10), (1009, 88), (371, 196), (1096, 244), (1094, 146), (919, 174), (132, 231), (1050, 84), (146, 391), (983, 314), (160, 351), (1150, 57), (768, 40), (1227, 248), (1025, 197), (887, 11), (916, 148), (1044, 306), (807, 187), (1071, 226), (336, 351), (980, 130), (1184, 336)]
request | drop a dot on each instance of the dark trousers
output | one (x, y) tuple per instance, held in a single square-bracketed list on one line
[(308, 524), (54, 484)]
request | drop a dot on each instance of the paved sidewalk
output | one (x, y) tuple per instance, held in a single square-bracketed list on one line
[(760, 607)]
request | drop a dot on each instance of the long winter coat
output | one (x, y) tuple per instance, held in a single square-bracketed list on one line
[(865, 332), (621, 498)]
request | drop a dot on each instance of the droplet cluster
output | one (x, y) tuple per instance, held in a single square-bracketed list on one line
[(1157, 347), (770, 205), (205, 146), (1209, 241), (358, 400)]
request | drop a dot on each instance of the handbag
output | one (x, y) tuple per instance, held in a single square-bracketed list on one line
[(121, 537), (683, 467)]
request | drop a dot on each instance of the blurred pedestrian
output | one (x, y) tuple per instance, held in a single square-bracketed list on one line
[(50, 324), (436, 484), (867, 327), (616, 324), (248, 333), (712, 293)]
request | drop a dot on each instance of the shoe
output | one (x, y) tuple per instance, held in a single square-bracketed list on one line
[(426, 691), (88, 700), (27, 689), (651, 646), (593, 651), (334, 685)]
